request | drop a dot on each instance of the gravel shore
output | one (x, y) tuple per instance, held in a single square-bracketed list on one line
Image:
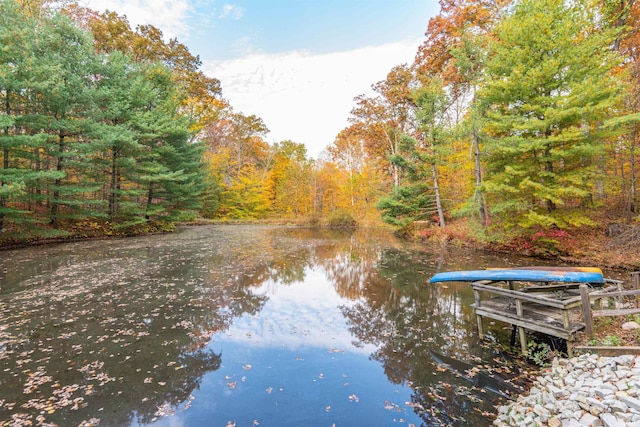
[(587, 390)]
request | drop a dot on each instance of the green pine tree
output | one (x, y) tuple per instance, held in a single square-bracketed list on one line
[(549, 85)]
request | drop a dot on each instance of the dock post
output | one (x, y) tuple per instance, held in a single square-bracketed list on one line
[(586, 310), (476, 295), (635, 276), (523, 335)]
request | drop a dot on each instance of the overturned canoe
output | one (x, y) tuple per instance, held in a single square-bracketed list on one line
[(536, 274)]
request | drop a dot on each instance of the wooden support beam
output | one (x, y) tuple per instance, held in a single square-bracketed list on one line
[(523, 335), (476, 295), (586, 310)]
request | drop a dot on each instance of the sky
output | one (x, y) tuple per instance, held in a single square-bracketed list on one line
[(297, 64)]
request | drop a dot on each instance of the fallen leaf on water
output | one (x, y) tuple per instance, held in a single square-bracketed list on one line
[(414, 405)]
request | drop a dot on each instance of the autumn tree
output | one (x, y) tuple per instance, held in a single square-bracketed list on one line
[(291, 174), (384, 118), (237, 157), (348, 151), (454, 50)]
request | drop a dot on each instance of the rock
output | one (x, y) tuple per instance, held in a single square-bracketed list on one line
[(588, 419), (611, 421), (554, 422), (583, 391), (631, 402), (628, 326)]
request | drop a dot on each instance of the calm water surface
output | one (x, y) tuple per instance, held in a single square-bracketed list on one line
[(239, 325)]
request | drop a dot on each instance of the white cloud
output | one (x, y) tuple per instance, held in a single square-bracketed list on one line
[(170, 16), (303, 97), (297, 316), (230, 10)]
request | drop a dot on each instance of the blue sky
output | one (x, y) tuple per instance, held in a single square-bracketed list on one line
[(297, 64), (316, 26)]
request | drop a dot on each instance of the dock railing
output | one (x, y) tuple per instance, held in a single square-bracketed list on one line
[(548, 309), (616, 297), (533, 309)]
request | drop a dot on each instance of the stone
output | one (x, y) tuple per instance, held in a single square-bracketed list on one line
[(588, 419), (554, 422), (629, 326), (603, 392), (631, 402), (587, 390), (610, 420)]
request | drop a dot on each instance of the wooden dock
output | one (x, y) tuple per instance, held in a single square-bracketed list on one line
[(555, 310)]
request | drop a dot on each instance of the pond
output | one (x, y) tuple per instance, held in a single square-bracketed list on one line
[(241, 326)]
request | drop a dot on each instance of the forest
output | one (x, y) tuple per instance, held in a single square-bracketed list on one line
[(516, 118)]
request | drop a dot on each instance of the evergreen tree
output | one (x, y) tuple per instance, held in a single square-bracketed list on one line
[(120, 94), (169, 168), (63, 89), (549, 85), (20, 140), (413, 200)]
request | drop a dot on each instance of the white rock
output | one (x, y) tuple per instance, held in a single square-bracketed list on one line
[(588, 419), (611, 421), (631, 402), (628, 326)]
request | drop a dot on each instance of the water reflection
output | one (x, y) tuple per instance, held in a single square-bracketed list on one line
[(329, 327)]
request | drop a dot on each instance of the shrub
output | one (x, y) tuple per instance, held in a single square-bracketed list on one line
[(341, 219)]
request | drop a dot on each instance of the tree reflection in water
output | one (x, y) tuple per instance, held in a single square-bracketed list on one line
[(407, 319), (115, 332)]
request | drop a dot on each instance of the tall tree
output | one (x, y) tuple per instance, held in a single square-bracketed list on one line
[(65, 78), (290, 176), (18, 142), (120, 94), (238, 158), (384, 118), (454, 50), (433, 116), (549, 85), (348, 151)]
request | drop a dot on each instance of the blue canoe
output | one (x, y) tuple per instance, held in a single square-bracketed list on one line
[(522, 275)]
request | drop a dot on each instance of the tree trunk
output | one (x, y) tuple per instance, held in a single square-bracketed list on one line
[(482, 208), (114, 179), (53, 219), (632, 177), (5, 154), (551, 206), (434, 173), (149, 201)]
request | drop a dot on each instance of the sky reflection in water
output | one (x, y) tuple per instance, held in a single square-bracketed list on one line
[(247, 325)]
